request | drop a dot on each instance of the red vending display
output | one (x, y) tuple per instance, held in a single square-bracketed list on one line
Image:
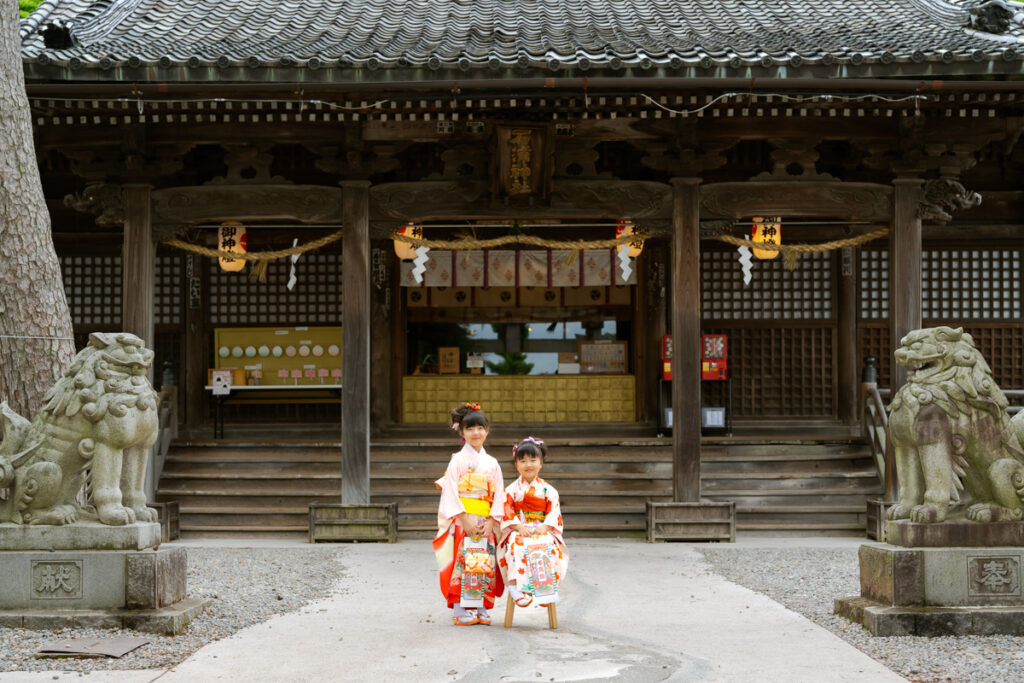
[(713, 362), (666, 357)]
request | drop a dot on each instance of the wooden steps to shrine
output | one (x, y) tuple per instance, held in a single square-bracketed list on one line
[(795, 486)]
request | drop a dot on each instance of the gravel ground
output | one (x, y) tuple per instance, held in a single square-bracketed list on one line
[(247, 586), (807, 581)]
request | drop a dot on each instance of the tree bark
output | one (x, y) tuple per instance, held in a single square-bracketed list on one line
[(36, 340)]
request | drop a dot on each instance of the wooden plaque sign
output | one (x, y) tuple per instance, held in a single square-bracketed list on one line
[(521, 168), (448, 360)]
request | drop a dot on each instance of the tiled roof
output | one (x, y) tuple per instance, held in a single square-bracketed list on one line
[(782, 37)]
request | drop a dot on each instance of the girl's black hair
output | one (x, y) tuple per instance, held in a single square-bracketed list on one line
[(524, 448), (465, 415)]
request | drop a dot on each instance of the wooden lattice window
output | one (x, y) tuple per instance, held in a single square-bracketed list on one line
[(874, 284), (167, 294), (971, 284), (778, 372), (92, 285), (804, 293), (237, 299)]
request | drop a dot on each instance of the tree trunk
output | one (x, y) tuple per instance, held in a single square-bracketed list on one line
[(36, 342)]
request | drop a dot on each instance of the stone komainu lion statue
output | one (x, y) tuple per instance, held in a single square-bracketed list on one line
[(956, 449), (99, 420)]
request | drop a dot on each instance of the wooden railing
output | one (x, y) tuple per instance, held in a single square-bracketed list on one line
[(167, 412), (875, 423)]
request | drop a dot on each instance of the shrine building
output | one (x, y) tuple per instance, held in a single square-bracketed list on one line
[(543, 207)]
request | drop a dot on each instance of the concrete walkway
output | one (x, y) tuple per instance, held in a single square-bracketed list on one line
[(629, 612)]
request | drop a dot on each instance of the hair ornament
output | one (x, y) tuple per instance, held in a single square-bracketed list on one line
[(473, 406), (455, 426), (535, 442)]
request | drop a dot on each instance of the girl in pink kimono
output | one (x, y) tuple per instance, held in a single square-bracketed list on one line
[(468, 520), (534, 557)]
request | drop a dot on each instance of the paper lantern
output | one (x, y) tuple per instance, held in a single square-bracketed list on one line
[(625, 227), (231, 238), (766, 231), (404, 250)]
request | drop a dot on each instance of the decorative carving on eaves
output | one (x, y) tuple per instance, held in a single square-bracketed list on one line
[(993, 16), (716, 228), (102, 200), (942, 196), (833, 199), (248, 165), (358, 161), (426, 200), (577, 159), (633, 199), (686, 160), (648, 203), (465, 162), (794, 160), (183, 206)]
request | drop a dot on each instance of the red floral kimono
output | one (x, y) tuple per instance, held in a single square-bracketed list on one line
[(468, 565), (531, 505)]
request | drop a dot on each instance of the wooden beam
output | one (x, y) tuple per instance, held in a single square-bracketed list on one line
[(904, 268), (138, 265), (686, 340), (355, 361)]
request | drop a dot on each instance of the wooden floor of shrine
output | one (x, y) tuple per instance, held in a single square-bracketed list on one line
[(795, 478)]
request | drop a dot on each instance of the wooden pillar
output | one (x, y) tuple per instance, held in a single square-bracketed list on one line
[(686, 339), (355, 360), (197, 353), (138, 265), (383, 305), (904, 268), (847, 379)]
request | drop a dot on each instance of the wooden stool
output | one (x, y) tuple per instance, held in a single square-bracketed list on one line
[(510, 608)]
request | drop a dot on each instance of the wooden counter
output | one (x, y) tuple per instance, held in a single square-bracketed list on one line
[(522, 398)]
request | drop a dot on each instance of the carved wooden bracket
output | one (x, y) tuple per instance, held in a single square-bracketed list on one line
[(814, 199), (103, 201), (942, 196), (248, 165)]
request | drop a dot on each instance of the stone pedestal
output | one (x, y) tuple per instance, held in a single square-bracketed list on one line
[(93, 575), (938, 591), (80, 536)]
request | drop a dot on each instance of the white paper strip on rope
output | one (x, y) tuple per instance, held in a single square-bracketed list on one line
[(625, 263), (533, 268), (563, 275), (419, 263), (597, 267), (501, 268), (469, 268), (439, 269)]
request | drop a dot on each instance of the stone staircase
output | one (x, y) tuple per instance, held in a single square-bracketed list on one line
[(809, 486)]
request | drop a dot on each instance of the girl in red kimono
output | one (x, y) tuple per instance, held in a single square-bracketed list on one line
[(534, 557), (468, 519)]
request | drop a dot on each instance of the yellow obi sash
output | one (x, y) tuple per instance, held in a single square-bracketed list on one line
[(475, 506)]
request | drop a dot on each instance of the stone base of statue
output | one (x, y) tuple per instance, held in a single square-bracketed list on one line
[(93, 575), (940, 591)]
